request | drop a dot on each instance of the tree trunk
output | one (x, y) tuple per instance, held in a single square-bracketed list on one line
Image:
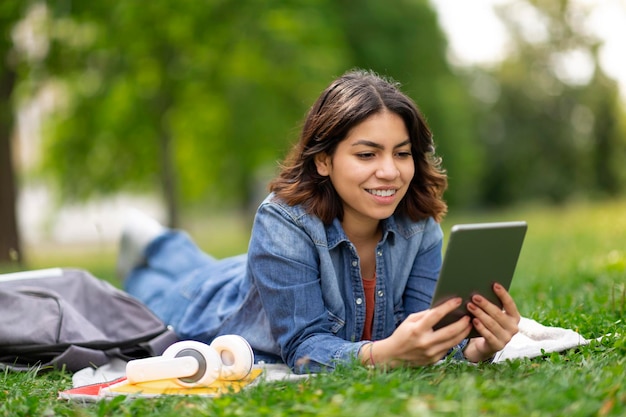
[(169, 179), (10, 248)]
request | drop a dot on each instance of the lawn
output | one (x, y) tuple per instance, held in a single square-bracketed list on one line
[(571, 273)]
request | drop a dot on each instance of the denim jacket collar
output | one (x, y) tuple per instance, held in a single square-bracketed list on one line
[(391, 226)]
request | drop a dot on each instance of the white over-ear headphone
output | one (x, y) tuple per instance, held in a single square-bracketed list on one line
[(191, 364)]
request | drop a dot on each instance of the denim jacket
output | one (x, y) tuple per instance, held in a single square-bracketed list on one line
[(299, 295)]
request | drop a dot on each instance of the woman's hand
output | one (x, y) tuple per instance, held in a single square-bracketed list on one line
[(415, 343), (496, 325)]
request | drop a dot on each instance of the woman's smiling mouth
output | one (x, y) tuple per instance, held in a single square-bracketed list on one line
[(382, 193)]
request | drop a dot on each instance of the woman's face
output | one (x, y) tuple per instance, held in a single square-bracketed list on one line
[(371, 169)]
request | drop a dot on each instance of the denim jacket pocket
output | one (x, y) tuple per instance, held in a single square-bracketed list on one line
[(337, 322)]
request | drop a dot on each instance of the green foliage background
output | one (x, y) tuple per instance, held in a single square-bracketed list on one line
[(197, 100)]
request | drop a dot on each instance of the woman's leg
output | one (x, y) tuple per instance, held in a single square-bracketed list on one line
[(145, 241), (138, 231), (170, 259), (175, 254)]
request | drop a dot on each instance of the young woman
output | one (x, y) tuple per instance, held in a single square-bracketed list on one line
[(344, 252)]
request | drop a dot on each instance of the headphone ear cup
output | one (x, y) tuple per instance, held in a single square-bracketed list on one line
[(236, 356), (209, 362)]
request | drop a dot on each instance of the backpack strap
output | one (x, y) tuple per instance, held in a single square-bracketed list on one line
[(157, 345)]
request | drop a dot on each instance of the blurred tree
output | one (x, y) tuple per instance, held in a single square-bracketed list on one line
[(552, 126), (197, 98), (200, 96), (10, 244), (405, 41), (194, 96)]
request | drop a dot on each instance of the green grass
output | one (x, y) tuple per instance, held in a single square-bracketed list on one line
[(571, 273)]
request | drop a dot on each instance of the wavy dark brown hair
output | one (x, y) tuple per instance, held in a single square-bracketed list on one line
[(349, 100)]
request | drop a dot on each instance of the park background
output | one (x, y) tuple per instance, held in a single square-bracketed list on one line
[(184, 109)]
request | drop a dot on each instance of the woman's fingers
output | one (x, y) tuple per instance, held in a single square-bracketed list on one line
[(443, 339), (497, 325), (435, 314), (423, 344), (431, 349), (508, 304)]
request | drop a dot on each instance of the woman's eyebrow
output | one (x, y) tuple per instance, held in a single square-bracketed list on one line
[(364, 142)]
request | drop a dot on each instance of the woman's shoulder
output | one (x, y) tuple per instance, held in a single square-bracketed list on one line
[(274, 203), (423, 234), (274, 206), (407, 227)]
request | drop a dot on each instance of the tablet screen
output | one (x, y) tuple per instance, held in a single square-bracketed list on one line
[(477, 256)]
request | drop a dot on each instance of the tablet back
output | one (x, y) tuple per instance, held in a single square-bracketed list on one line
[(477, 256)]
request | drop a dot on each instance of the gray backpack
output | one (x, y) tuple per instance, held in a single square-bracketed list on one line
[(68, 319)]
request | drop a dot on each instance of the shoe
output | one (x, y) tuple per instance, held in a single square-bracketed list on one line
[(138, 231)]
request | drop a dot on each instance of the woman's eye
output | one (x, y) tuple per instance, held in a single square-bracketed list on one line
[(404, 154), (365, 155)]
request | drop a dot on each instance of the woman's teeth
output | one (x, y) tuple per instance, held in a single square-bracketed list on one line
[(382, 193)]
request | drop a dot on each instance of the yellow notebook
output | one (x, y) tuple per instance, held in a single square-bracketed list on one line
[(121, 386)]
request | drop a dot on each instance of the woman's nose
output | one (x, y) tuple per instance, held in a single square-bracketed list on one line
[(388, 170)]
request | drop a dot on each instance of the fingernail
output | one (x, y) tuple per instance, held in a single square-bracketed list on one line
[(477, 298), (497, 286)]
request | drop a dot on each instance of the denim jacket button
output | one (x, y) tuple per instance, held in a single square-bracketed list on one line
[(380, 293), (379, 253), (354, 263), (359, 301)]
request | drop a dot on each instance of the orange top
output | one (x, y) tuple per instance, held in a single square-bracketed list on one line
[(369, 286)]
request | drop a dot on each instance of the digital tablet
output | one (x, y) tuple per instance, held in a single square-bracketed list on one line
[(477, 256)]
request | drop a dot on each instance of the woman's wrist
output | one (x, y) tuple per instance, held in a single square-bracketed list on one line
[(366, 354), (379, 354), (473, 354)]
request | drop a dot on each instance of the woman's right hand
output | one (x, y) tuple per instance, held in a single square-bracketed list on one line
[(415, 343)]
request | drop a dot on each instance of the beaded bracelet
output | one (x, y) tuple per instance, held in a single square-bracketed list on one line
[(372, 364), (371, 356)]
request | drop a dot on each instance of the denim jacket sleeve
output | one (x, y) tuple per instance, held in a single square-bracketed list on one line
[(284, 264)]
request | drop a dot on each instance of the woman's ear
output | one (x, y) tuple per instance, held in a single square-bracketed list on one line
[(323, 164)]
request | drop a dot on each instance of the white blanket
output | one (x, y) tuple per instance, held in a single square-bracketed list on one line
[(533, 339)]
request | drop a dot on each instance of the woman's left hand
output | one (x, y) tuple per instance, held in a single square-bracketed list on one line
[(496, 325)]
